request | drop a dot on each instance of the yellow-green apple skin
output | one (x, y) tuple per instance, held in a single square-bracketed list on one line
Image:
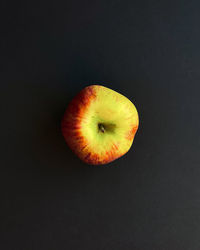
[(99, 124)]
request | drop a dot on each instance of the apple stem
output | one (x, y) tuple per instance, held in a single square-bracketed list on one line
[(101, 128)]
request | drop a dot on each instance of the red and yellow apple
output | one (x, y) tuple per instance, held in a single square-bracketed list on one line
[(99, 124)]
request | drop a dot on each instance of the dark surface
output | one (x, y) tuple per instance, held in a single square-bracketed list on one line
[(147, 200)]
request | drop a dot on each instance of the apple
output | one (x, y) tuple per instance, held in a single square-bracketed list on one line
[(99, 124)]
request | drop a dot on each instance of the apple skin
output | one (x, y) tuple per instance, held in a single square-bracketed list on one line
[(99, 125)]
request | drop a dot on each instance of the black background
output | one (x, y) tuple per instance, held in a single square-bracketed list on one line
[(150, 52)]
